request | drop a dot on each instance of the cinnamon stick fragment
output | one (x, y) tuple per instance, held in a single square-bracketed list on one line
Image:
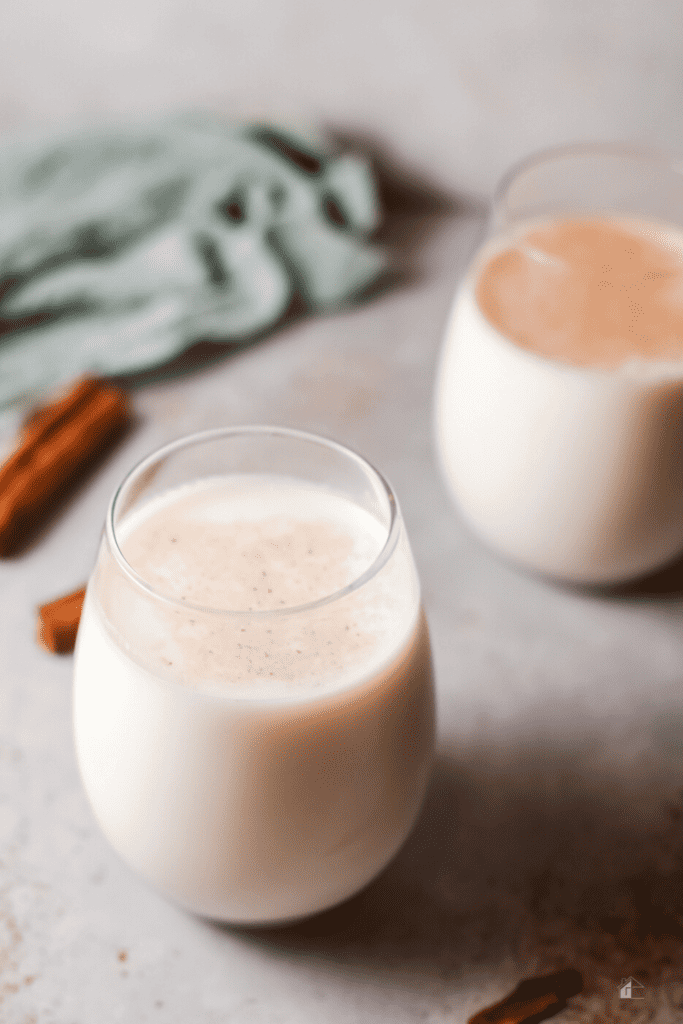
[(58, 622), (57, 443), (534, 1000)]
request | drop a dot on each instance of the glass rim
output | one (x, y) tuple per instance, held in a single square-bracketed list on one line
[(256, 430), (633, 151)]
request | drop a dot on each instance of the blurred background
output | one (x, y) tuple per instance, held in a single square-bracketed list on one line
[(455, 90)]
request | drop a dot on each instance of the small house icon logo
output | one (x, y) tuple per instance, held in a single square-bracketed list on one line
[(629, 988)]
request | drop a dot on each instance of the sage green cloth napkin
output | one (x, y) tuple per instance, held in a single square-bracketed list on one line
[(120, 247)]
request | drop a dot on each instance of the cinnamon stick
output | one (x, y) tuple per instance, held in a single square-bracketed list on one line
[(58, 622), (534, 1000), (57, 443)]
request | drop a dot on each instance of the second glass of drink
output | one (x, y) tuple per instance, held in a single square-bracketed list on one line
[(559, 399)]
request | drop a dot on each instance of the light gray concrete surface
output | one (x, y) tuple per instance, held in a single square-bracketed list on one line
[(560, 741), (550, 834), (455, 89)]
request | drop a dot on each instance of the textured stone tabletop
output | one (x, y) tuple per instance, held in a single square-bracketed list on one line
[(550, 836)]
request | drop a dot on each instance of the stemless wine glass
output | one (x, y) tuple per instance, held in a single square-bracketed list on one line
[(571, 470), (256, 761)]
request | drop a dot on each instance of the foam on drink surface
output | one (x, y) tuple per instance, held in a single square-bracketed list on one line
[(251, 545), (224, 548), (591, 291)]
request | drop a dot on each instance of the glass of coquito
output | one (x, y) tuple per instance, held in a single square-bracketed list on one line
[(253, 692), (559, 398)]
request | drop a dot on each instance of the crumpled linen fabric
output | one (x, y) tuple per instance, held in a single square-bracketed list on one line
[(122, 246)]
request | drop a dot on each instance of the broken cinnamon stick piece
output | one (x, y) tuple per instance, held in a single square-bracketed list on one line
[(534, 1000), (58, 622), (57, 443)]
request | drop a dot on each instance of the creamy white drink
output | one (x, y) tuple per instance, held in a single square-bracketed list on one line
[(559, 400), (256, 740)]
